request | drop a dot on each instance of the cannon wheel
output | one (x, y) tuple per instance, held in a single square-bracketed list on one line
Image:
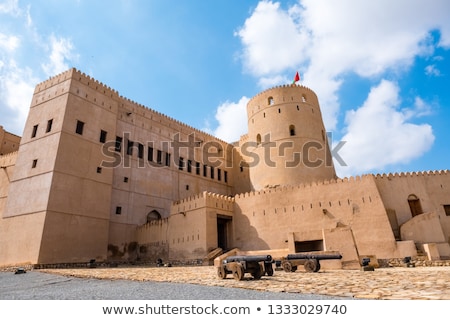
[(258, 272), (312, 265), (238, 271), (288, 267), (221, 273)]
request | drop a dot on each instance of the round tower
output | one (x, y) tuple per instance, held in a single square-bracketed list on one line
[(287, 141)]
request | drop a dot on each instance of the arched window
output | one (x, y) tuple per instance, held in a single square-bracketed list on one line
[(292, 130), (258, 139), (153, 215), (414, 205), (270, 101), (303, 98)]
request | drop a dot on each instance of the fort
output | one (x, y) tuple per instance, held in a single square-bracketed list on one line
[(96, 176)]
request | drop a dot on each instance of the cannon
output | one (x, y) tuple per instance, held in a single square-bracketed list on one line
[(257, 266), (310, 261)]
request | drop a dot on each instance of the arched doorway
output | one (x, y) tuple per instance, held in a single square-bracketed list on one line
[(153, 216)]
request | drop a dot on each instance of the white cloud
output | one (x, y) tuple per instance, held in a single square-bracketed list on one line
[(271, 40), (327, 40), (8, 42), (431, 70), (18, 77), (379, 134), (232, 119), (10, 7), (16, 90), (61, 52)]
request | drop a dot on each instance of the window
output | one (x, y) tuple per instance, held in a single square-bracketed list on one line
[(130, 147), (447, 209), (212, 172), (99, 169), (141, 150), (292, 130), (180, 164), (303, 98), (118, 144), (219, 174), (270, 101), (103, 134), (159, 156), (225, 176), (258, 139), (150, 154), (34, 164), (168, 159), (197, 168), (205, 170), (125, 179), (80, 126), (118, 210), (33, 134), (49, 125), (189, 166)]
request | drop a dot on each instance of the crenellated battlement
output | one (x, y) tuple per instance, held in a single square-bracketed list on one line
[(411, 174), (201, 200), (78, 76), (304, 186), (8, 159), (142, 110), (263, 93)]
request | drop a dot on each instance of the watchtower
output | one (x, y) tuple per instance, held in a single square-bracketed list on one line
[(287, 142)]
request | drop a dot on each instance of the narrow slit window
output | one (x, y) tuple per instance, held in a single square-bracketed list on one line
[(150, 154), (80, 127), (118, 146), (167, 159), (33, 134), (130, 147), (141, 151), (159, 156), (49, 125), (103, 135)]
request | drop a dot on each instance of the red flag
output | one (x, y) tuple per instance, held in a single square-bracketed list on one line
[(297, 78)]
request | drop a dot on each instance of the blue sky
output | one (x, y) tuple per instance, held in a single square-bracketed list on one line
[(381, 69)]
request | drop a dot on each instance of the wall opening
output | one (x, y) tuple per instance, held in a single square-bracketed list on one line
[(414, 205), (306, 246), (223, 226), (153, 216), (292, 130)]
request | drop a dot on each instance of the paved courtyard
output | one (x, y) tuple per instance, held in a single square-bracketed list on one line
[(424, 283)]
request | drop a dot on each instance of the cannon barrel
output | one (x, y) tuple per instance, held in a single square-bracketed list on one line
[(258, 258), (295, 256)]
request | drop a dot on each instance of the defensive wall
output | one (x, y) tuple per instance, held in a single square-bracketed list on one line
[(418, 207), (331, 215), (190, 232)]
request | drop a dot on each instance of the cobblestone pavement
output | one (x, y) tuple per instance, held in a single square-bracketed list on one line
[(424, 283)]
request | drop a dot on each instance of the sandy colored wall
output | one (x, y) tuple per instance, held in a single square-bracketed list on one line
[(8, 142), (20, 239), (263, 220), (432, 188)]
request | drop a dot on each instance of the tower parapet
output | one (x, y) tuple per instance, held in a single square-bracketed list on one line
[(287, 142)]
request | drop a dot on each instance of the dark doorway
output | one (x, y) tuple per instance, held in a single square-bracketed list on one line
[(414, 205), (306, 246), (222, 232)]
